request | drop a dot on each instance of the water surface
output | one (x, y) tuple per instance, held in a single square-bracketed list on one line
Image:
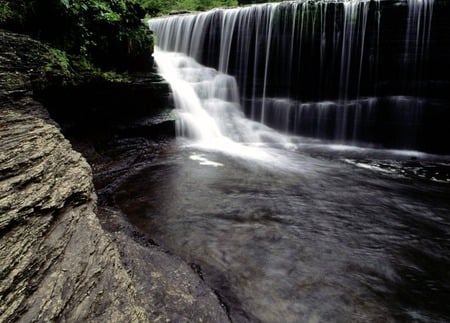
[(330, 234)]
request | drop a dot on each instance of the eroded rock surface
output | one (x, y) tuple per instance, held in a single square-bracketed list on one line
[(56, 261)]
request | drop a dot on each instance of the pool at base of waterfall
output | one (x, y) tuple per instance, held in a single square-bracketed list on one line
[(296, 229), (330, 233)]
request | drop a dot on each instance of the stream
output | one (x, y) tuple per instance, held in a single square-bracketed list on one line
[(339, 234)]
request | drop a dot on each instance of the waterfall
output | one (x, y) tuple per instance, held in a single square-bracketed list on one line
[(327, 69), (255, 41), (417, 41), (207, 103)]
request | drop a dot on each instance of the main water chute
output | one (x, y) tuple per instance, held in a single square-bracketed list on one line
[(209, 111), (350, 71)]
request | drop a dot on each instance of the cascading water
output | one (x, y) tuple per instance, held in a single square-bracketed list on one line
[(209, 112), (336, 233), (417, 41), (330, 56)]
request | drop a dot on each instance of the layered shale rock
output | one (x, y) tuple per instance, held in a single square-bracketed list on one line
[(56, 261)]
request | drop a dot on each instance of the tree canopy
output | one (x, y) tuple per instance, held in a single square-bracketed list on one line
[(106, 32)]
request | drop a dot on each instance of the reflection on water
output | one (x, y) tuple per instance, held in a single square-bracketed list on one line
[(325, 240)]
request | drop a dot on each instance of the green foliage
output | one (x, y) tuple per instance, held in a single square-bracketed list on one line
[(247, 2), (108, 32), (5, 11), (82, 64), (60, 58), (58, 65), (203, 4), (155, 7), (112, 76)]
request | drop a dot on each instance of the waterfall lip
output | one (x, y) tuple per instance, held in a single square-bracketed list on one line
[(257, 5)]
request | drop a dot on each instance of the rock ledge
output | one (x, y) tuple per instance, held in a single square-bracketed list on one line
[(57, 262)]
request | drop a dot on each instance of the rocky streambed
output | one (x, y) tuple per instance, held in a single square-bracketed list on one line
[(63, 258)]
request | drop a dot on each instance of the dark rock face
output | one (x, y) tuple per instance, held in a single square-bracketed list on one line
[(99, 102), (57, 261)]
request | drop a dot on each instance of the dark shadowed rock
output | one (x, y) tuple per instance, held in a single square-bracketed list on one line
[(57, 262)]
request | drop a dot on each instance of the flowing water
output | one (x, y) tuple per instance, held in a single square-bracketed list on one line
[(287, 228), (331, 242), (339, 235), (370, 72)]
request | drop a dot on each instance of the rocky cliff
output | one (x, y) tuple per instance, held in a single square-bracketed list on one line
[(57, 262)]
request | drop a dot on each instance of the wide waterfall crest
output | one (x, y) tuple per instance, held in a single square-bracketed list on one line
[(320, 68)]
